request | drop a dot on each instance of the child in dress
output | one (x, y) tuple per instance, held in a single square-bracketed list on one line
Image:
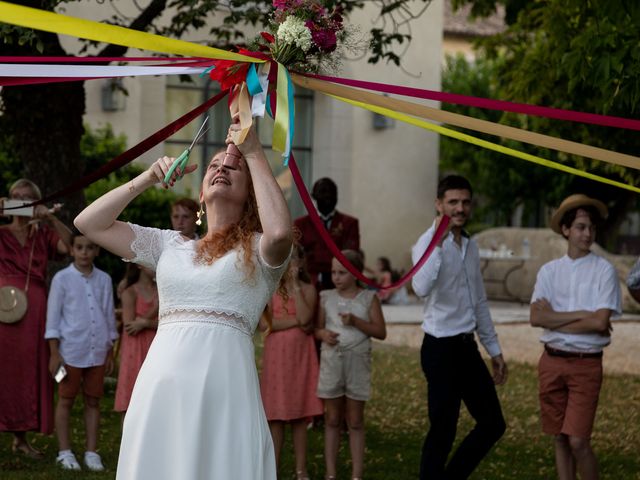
[(290, 362), (348, 317), (81, 329), (140, 320)]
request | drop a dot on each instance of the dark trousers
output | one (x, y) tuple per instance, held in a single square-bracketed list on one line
[(456, 373)]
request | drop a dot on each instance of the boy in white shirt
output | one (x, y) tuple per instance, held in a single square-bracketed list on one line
[(81, 330), (574, 299)]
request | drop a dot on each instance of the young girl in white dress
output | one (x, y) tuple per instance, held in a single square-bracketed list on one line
[(195, 411), (348, 317)]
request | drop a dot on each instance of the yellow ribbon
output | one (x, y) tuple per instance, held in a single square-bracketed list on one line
[(281, 121), (485, 144), (100, 32)]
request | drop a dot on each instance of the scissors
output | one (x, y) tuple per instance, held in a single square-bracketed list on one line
[(183, 159)]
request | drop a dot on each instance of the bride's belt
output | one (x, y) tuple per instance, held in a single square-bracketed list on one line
[(206, 318)]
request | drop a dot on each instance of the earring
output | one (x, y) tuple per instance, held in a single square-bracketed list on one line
[(199, 215)]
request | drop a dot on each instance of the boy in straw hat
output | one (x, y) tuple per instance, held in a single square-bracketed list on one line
[(573, 300)]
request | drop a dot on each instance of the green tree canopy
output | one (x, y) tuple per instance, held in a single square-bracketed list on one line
[(574, 55)]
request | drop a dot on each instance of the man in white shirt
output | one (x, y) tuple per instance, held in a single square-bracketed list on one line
[(574, 299), (455, 308)]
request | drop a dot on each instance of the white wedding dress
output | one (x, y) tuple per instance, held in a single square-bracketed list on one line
[(196, 411)]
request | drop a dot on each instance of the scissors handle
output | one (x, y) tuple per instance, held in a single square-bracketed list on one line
[(181, 162)]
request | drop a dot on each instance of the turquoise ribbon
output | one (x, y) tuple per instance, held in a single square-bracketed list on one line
[(253, 81), (292, 116)]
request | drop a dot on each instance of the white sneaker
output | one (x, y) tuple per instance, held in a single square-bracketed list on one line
[(67, 460), (93, 461)]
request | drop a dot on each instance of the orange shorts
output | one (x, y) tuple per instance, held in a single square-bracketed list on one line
[(92, 379), (569, 389)]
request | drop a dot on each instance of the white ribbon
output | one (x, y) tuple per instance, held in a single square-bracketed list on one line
[(91, 71)]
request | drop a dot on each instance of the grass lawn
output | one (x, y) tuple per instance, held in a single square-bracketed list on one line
[(396, 424)]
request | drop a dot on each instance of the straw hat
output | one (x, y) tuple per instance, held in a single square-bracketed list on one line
[(575, 201)]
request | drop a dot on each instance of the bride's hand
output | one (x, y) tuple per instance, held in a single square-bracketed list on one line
[(251, 142), (158, 170)]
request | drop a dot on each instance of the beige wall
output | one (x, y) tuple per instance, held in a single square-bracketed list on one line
[(386, 178), (458, 44)]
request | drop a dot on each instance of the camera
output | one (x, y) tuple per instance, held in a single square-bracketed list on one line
[(16, 208)]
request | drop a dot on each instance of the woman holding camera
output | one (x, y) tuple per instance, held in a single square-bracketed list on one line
[(26, 245)]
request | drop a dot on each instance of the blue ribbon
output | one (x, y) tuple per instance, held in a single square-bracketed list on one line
[(292, 115), (253, 82), (206, 71)]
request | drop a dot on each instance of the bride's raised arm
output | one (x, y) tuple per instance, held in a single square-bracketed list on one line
[(274, 213), (99, 221)]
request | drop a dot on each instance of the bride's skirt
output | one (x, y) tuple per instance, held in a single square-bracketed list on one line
[(195, 411)]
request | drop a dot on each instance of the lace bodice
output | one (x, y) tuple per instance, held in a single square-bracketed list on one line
[(222, 288)]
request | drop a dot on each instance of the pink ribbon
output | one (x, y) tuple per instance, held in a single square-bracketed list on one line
[(503, 105)]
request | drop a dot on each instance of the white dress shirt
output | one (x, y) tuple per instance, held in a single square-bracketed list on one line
[(455, 300), (586, 283), (80, 314)]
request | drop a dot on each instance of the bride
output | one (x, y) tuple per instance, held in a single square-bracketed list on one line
[(196, 411)]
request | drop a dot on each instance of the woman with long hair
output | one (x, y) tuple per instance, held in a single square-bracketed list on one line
[(196, 411)]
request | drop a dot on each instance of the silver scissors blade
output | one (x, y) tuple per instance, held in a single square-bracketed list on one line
[(200, 133)]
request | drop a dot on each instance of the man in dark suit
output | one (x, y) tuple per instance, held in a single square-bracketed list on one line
[(344, 231)]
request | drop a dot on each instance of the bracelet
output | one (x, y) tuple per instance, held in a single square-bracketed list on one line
[(132, 187)]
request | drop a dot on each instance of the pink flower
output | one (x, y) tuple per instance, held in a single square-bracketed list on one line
[(280, 4), (325, 40)]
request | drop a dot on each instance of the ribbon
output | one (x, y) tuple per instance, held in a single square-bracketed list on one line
[(488, 145), (479, 102), (463, 121), (93, 59), (253, 82), (326, 238), (283, 125), (134, 152), (92, 71), (99, 32)]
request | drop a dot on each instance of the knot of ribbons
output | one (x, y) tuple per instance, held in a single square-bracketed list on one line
[(251, 87)]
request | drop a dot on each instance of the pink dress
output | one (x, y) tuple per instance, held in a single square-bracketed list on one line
[(26, 392), (289, 370), (133, 351)]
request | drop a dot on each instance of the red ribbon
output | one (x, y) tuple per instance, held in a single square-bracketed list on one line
[(135, 151), (61, 59), (317, 223), (503, 105)]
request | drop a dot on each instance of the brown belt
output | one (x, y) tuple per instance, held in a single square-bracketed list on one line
[(563, 353)]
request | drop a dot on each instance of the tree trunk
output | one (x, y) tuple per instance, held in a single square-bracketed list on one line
[(46, 125)]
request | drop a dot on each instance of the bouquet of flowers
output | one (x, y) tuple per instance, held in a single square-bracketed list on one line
[(304, 35)]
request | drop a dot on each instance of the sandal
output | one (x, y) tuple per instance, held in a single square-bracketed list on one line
[(24, 448)]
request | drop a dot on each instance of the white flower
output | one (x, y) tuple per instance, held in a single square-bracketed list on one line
[(293, 31)]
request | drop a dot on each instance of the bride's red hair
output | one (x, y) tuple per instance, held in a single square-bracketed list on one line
[(240, 234)]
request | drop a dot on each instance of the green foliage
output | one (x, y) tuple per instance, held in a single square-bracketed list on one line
[(99, 146)]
